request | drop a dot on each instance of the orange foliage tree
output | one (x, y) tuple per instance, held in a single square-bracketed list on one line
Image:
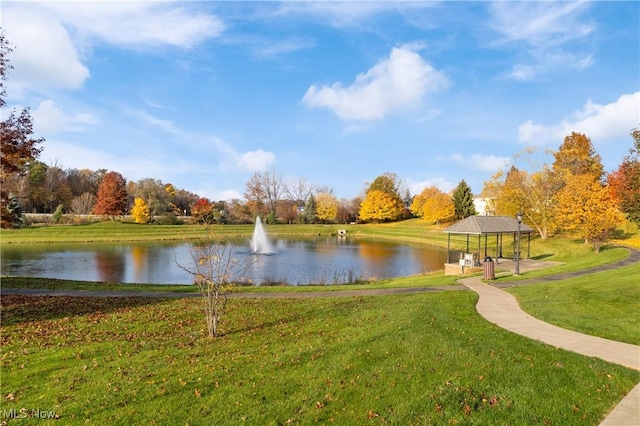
[(112, 196), (202, 211), (17, 143), (625, 181)]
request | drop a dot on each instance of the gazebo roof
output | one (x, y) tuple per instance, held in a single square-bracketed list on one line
[(480, 225)]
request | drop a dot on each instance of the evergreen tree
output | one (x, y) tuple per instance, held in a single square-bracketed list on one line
[(311, 210), (12, 215), (463, 201), (57, 214)]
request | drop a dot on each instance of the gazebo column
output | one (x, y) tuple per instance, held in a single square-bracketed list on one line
[(485, 244), (448, 248)]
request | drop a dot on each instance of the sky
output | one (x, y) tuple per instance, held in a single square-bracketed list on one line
[(205, 94)]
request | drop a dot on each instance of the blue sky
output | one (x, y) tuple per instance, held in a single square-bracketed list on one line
[(205, 94)]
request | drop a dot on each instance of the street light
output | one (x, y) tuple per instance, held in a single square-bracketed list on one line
[(519, 219)]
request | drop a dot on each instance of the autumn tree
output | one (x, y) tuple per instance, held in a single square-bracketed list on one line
[(18, 145), (586, 205), (154, 193), (57, 188), (327, 207), (385, 190), (299, 191), (83, 204), (577, 156), (202, 211), (112, 196), (263, 191), (348, 210), (534, 194), (433, 205), (239, 212), (462, 197), (140, 211), (624, 182), (380, 206)]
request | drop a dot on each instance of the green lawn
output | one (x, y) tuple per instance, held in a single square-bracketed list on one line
[(605, 304), (407, 359)]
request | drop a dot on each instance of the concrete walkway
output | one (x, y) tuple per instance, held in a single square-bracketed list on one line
[(502, 309)]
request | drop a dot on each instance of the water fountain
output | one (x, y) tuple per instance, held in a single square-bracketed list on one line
[(260, 241)]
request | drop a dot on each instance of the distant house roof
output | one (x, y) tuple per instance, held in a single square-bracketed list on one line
[(487, 225)]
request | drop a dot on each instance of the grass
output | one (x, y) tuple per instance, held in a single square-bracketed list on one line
[(404, 359), (434, 279), (574, 256), (116, 231), (605, 304), (410, 359)]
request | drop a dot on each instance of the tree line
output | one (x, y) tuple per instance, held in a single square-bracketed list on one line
[(573, 193)]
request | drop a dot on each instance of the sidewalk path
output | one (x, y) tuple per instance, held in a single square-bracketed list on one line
[(502, 309)]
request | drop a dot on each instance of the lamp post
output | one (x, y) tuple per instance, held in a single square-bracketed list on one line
[(519, 219)]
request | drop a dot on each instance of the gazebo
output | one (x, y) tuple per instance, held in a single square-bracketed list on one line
[(484, 226)]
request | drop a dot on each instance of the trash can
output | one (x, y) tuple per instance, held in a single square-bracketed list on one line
[(489, 269)]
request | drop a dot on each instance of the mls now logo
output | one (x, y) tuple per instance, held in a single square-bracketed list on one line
[(23, 413)]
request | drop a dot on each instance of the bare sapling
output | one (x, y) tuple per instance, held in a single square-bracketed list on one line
[(215, 270)]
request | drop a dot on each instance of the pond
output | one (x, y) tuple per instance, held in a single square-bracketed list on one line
[(295, 261)]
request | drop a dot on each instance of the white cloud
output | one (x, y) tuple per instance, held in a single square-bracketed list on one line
[(145, 117), (442, 184), (255, 161), (214, 194), (50, 118), (137, 24), (53, 38), (539, 23), (598, 122), (396, 83), (348, 13), (549, 30), (274, 49), (484, 163), (44, 56)]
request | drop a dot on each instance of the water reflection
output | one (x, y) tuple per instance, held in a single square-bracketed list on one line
[(111, 264), (321, 260)]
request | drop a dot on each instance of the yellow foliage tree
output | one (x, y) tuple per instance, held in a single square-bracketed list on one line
[(584, 204), (379, 206), (140, 211), (433, 205), (576, 156), (535, 195), (326, 207)]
